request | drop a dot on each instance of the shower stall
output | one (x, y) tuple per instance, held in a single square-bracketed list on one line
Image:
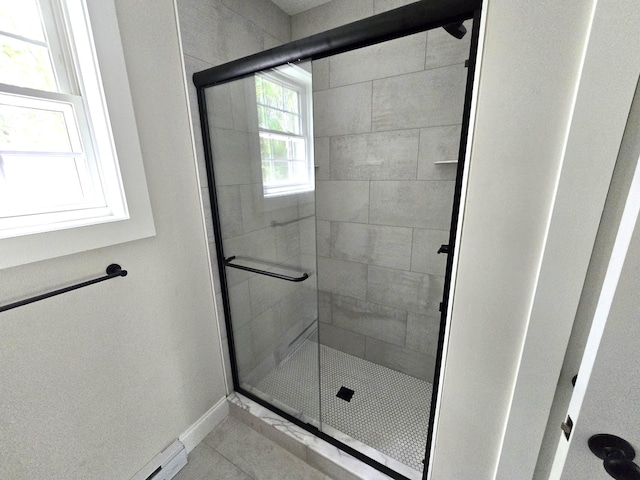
[(335, 166)]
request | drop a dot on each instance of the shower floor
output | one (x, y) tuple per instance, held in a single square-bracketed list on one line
[(388, 411)]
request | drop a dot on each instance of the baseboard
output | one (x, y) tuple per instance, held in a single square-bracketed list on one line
[(204, 425)]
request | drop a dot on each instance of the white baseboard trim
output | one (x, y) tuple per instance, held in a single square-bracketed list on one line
[(204, 425)]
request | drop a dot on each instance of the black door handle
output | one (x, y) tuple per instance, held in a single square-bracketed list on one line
[(617, 455)]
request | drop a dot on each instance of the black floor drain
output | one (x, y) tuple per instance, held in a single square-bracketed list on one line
[(345, 393)]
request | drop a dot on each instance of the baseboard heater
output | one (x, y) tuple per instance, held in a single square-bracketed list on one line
[(165, 465)]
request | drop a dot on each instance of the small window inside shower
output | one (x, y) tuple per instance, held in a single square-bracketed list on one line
[(283, 98)]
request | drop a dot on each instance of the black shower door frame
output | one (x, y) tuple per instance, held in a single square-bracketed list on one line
[(413, 18)]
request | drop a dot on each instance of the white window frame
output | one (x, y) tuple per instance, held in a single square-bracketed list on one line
[(105, 90), (299, 80)]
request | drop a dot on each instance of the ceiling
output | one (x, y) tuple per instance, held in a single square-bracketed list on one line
[(291, 7)]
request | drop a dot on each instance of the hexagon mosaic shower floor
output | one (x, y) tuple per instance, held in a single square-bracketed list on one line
[(388, 411)]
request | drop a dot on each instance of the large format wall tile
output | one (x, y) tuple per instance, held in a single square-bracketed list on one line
[(375, 156), (343, 201), (265, 292), (424, 254), (416, 292), (387, 59), (422, 333), (425, 204), (320, 69), (265, 15), (444, 49), (321, 159), (229, 208), (406, 361), (343, 340), (438, 144), (258, 245), (370, 319), (232, 159), (260, 212), (343, 278), (343, 110), (324, 238), (372, 244), (381, 6), (423, 99)]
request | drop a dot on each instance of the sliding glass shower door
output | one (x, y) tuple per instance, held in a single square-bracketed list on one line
[(262, 148)]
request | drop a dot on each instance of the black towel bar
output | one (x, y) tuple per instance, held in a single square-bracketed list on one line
[(227, 262), (113, 271)]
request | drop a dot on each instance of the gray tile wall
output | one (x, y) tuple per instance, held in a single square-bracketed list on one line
[(383, 115), (267, 313)]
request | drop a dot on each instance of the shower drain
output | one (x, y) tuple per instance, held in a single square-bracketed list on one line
[(345, 394)]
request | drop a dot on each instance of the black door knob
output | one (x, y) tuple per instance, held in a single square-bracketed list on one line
[(617, 456)]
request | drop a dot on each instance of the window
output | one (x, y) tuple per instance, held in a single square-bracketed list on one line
[(62, 187), (58, 164), (284, 111)]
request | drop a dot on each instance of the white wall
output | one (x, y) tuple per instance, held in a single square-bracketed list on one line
[(96, 382), (529, 72)]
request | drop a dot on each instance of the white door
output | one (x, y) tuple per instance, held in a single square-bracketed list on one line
[(606, 398)]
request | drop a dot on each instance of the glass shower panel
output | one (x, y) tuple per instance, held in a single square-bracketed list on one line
[(387, 120), (262, 149)]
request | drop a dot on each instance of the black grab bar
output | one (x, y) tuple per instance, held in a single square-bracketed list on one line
[(227, 262), (113, 271)]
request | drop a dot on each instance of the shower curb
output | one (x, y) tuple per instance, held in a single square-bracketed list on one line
[(313, 450)]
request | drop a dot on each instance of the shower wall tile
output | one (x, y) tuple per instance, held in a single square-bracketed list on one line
[(400, 359), (343, 201), (424, 254), (243, 342), (424, 99), (416, 292), (444, 49), (321, 160), (288, 244), (323, 238), (219, 106), (324, 306), (342, 110), (231, 157), (344, 278), (425, 204), (375, 156), (265, 15), (240, 304), (422, 333), (260, 212), (214, 33), (381, 6), (258, 245), (266, 329), (438, 144), (320, 69), (372, 244), (344, 340), (230, 210), (243, 106), (329, 15), (307, 232), (370, 319), (267, 292), (292, 310), (387, 59)]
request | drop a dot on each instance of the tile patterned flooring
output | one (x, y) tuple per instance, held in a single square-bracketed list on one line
[(234, 451), (389, 410)]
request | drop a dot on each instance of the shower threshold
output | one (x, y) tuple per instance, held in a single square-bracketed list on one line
[(386, 417)]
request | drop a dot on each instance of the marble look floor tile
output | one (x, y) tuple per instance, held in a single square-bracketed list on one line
[(262, 459), (207, 464)]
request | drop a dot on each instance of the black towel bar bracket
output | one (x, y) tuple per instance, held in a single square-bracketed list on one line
[(114, 270)]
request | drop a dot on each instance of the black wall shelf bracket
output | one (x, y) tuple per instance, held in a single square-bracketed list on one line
[(114, 270)]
